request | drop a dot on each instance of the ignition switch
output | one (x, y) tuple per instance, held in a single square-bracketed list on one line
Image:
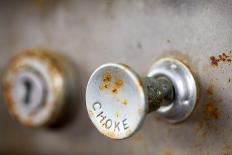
[(38, 86)]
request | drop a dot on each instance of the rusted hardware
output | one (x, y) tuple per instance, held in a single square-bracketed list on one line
[(160, 92), (117, 109), (37, 85)]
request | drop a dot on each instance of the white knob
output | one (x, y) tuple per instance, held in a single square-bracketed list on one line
[(118, 99)]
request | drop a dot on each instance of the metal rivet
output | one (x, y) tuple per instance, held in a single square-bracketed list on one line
[(115, 88)]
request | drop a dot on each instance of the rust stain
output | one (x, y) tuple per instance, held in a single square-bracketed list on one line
[(115, 90), (211, 111), (119, 83), (227, 149), (40, 3), (211, 115), (43, 6), (8, 98), (215, 60), (104, 86), (227, 146), (107, 83), (168, 153), (126, 66), (204, 128), (107, 77), (57, 73), (117, 86), (125, 102), (210, 90)]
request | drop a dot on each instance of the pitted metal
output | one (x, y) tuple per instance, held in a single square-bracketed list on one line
[(36, 87), (159, 92), (168, 89)]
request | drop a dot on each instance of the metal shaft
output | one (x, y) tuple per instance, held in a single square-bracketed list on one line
[(160, 91)]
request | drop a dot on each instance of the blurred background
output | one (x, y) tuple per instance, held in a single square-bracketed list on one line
[(136, 32)]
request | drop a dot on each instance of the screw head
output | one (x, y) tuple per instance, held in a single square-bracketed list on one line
[(116, 101)]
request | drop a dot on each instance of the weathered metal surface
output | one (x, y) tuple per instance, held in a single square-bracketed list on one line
[(136, 32), (36, 86), (116, 100)]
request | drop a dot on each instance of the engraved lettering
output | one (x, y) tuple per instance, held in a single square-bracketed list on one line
[(100, 115), (117, 126), (97, 105), (125, 125), (108, 124)]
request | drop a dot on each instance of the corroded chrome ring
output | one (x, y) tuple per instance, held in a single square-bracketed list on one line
[(35, 87), (185, 89)]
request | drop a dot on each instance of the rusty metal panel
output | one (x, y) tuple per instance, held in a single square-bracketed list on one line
[(136, 32)]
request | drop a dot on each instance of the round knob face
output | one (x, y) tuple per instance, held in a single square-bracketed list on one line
[(116, 101), (34, 88)]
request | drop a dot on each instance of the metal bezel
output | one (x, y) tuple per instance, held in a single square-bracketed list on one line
[(44, 63), (185, 89)]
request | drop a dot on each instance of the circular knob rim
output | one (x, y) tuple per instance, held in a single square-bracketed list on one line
[(128, 104), (185, 85)]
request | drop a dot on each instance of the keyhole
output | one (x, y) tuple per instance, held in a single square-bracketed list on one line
[(29, 87)]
